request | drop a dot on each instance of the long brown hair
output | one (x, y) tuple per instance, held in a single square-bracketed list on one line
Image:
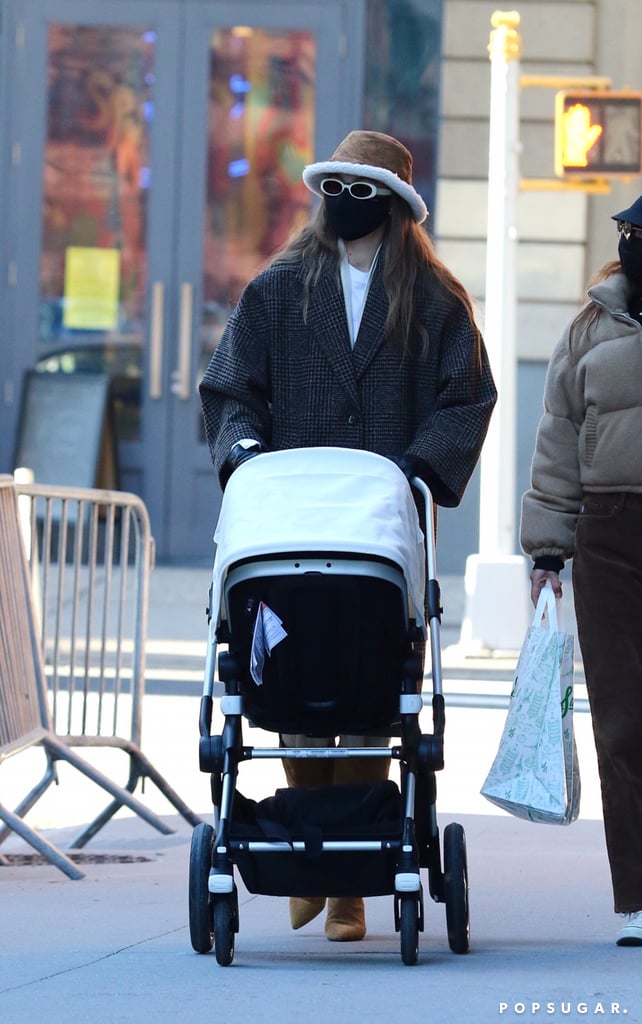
[(590, 313), (408, 255)]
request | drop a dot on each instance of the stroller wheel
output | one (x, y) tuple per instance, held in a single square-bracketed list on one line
[(409, 930), (225, 925), (200, 907), (456, 888)]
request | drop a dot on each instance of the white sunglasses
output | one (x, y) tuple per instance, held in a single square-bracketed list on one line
[(357, 189)]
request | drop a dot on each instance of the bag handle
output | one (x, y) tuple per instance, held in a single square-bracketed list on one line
[(546, 607)]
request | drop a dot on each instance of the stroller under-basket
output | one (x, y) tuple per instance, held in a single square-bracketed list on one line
[(318, 595)]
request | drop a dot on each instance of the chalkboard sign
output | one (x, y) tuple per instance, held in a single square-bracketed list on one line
[(64, 423)]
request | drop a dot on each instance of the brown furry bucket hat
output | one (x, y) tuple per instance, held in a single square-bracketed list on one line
[(375, 156)]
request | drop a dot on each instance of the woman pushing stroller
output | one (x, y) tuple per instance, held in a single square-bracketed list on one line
[(355, 335)]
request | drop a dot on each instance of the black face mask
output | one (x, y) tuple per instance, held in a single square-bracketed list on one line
[(355, 218), (630, 250)]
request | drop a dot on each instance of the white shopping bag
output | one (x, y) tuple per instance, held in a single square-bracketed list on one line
[(535, 774)]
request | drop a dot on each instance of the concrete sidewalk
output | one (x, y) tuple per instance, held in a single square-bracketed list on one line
[(114, 947)]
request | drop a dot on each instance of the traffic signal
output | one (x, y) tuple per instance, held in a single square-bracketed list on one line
[(598, 134)]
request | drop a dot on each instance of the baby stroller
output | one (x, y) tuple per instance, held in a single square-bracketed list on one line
[(318, 594)]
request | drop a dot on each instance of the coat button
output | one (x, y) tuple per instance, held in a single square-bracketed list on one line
[(352, 420)]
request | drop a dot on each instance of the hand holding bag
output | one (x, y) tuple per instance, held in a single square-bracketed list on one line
[(535, 774)]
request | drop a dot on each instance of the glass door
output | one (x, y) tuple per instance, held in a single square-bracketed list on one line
[(168, 168), (101, 103), (94, 210), (260, 101)]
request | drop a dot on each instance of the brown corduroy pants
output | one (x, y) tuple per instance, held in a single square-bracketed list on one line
[(607, 586)]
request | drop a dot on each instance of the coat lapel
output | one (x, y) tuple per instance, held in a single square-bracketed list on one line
[(327, 322), (371, 334)]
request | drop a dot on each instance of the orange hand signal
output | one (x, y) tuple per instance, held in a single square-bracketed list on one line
[(579, 135)]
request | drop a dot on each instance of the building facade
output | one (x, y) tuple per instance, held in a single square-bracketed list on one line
[(150, 160), (563, 236)]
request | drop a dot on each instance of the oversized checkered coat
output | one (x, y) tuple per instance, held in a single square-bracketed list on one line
[(290, 383)]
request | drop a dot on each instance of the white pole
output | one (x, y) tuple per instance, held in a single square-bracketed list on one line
[(497, 610), (497, 484)]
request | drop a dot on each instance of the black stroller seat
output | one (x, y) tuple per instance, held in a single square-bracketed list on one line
[(339, 668)]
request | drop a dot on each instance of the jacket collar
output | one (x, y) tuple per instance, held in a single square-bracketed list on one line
[(612, 294)]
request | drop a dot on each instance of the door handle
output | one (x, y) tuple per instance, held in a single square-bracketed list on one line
[(156, 335), (181, 376)]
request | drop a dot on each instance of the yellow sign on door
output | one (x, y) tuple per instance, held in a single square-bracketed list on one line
[(92, 288)]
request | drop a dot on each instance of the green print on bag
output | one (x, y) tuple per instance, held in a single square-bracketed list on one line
[(567, 701)]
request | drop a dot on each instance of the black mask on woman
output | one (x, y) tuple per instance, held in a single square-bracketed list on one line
[(355, 218), (630, 250)]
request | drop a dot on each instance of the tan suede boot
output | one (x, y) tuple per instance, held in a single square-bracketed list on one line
[(303, 773), (304, 909), (346, 919), (355, 770)]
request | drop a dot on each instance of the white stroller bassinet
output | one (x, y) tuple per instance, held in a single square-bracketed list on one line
[(315, 500)]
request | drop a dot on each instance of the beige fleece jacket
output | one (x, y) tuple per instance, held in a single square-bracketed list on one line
[(590, 436)]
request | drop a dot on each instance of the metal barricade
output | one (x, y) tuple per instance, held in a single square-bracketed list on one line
[(82, 649), (91, 553)]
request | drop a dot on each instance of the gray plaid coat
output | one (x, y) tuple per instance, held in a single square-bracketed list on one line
[(290, 383)]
